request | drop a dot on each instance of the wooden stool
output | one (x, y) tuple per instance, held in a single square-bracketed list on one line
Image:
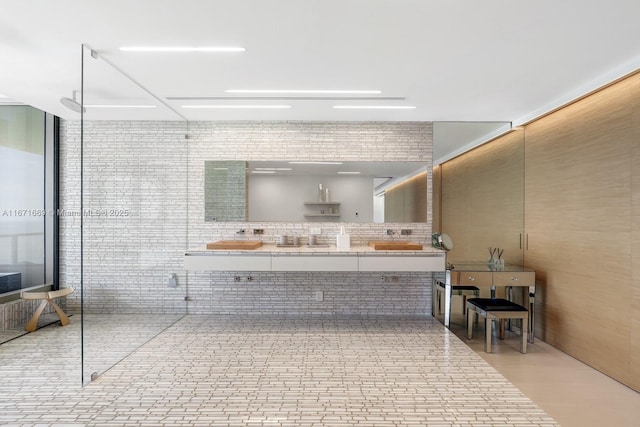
[(499, 309), (47, 298)]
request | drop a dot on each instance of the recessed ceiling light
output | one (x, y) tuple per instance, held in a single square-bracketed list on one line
[(239, 107), (306, 91), (314, 163), (118, 106), (374, 107), (349, 173), (273, 169), (182, 49), (263, 171)]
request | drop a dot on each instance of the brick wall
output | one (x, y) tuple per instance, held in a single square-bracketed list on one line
[(144, 205)]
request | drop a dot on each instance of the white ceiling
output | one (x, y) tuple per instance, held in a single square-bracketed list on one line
[(455, 61)]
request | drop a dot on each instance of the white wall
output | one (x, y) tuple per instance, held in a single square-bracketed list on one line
[(152, 170)]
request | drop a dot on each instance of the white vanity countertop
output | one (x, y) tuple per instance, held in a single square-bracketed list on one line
[(272, 249)]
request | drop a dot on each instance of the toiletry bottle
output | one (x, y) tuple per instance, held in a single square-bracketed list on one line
[(343, 240)]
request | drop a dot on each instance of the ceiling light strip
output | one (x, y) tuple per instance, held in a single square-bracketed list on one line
[(286, 98), (374, 107), (237, 107), (307, 91), (182, 49), (119, 106), (314, 163)]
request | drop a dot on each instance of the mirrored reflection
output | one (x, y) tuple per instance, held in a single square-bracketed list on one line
[(481, 196), (288, 191), (133, 164)]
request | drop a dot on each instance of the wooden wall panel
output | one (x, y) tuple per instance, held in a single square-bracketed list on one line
[(578, 175), (634, 337), (582, 222)]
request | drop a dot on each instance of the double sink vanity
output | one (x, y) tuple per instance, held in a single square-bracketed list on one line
[(377, 256)]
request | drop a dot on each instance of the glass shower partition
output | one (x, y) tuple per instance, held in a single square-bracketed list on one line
[(126, 159)]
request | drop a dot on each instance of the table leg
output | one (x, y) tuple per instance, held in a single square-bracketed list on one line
[(532, 312), (487, 334), (523, 338), (447, 304)]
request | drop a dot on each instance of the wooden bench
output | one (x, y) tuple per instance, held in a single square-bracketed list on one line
[(47, 298), (497, 309)]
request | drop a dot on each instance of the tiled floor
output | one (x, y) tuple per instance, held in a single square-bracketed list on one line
[(9, 334), (256, 371)]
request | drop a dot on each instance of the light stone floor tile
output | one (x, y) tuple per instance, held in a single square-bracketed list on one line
[(259, 371)]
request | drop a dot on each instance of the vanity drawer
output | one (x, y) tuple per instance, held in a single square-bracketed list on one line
[(228, 263), (315, 263), (520, 278), (401, 263), (475, 278)]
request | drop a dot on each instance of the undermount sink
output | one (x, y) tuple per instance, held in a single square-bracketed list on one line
[(235, 244), (395, 245)]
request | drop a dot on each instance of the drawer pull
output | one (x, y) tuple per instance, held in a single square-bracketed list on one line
[(472, 278)]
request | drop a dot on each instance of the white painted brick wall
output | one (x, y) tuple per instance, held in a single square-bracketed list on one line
[(151, 170)]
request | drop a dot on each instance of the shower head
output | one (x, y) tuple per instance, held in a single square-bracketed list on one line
[(72, 104)]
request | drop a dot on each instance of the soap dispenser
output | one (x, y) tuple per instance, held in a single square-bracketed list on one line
[(343, 240)]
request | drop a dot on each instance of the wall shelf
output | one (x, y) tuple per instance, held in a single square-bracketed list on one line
[(311, 215), (322, 203), (328, 210)]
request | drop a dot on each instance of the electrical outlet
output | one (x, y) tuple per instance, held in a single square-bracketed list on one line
[(318, 296), (405, 232), (258, 231)]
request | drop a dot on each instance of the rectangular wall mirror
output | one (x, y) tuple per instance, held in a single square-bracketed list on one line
[(288, 191)]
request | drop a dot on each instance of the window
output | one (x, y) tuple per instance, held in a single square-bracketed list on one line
[(27, 198)]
